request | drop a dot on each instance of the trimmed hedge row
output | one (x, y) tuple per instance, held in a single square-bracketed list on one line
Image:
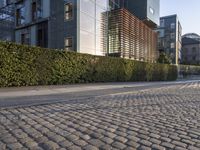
[(24, 66), (188, 70)]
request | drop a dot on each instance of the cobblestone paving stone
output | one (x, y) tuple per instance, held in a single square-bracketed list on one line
[(158, 119)]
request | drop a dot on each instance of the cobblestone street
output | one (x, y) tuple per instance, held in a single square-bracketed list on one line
[(159, 118)]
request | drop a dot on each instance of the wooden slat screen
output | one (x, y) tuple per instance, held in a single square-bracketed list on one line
[(129, 37)]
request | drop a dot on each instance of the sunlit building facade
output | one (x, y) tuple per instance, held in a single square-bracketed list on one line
[(129, 37), (74, 25), (92, 19), (84, 25), (169, 37)]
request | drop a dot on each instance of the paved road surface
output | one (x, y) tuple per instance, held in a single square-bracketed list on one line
[(162, 115)]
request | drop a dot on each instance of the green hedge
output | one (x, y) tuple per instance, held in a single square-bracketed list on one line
[(188, 70), (23, 66)]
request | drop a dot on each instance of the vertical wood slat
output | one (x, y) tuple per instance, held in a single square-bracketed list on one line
[(135, 39)]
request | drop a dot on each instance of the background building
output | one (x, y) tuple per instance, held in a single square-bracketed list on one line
[(190, 49), (169, 39), (69, 24), (32, 22), (7, 24), (1, 3), (85, 26)]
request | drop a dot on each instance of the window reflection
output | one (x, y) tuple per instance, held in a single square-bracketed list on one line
[(20, 15), (87, 23), (88, 7), (87, 42), (98, 43), (92, 23), (99, 13), (102, 3), (68, 43), (25, 37), (68, 11)]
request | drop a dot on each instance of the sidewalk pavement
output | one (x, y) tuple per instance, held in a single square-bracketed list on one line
[(61, 89)]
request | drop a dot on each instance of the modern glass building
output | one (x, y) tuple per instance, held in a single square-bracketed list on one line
[(92, 25), (7, 23), (75, 25), (78, 25), (169, 39), (99, 31), (91, 20)]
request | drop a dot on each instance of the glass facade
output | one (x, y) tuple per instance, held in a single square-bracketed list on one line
[(25, 36), (68, 43), (93, 22), (68, 11), (169, 41), (36, 9), (20, 14)]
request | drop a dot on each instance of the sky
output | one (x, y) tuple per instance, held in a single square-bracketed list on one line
[(188, 12)]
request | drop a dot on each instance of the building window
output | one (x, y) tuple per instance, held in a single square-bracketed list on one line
[(68, 43), (20, 15), (162, 23), (18, 22), (39, 8), (172, 25), (25, 38), (36, 10), (161, 33), (42, 34), (172, 45), (172, 35), (68, 11)]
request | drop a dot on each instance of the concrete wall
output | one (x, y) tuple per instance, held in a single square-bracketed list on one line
[(59, 28), (56, 25)]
